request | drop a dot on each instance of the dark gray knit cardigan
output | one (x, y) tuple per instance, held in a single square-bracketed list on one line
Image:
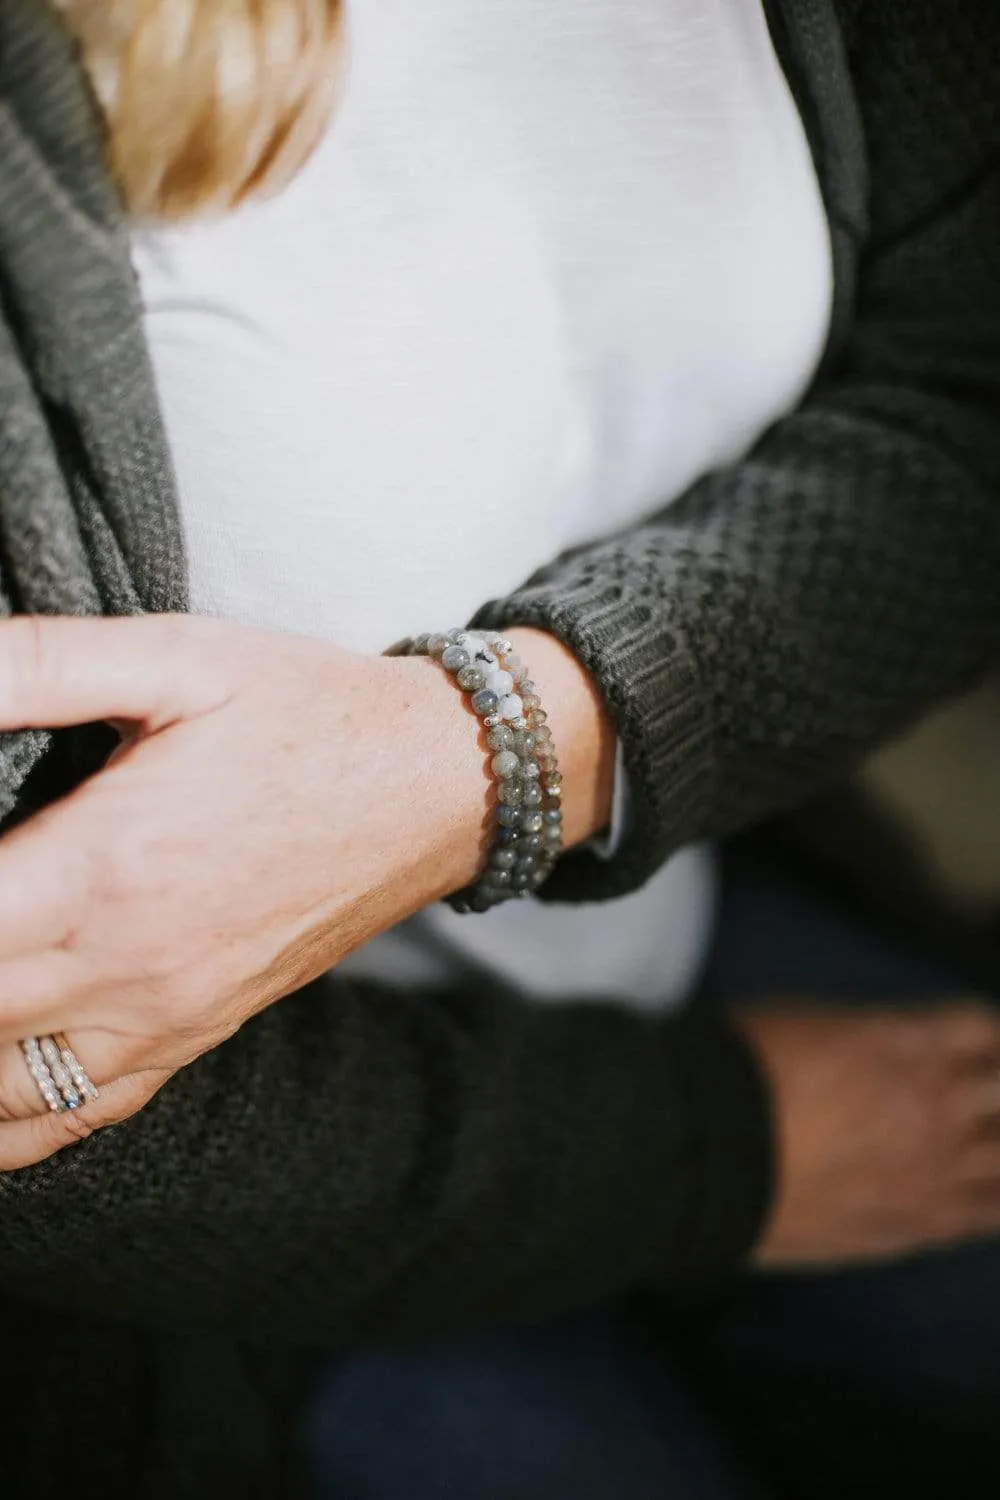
[(358, 1164)]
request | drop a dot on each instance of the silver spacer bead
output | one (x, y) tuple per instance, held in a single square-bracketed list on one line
[(492, 720)]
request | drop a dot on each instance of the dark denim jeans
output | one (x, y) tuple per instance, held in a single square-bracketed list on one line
[(873, 1383)]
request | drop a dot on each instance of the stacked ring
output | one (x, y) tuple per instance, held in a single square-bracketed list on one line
[(58, 1074)]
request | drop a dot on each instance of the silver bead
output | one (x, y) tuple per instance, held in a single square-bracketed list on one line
[(492, 720)]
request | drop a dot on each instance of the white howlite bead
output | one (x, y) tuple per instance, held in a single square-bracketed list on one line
[(510, 707), (501, 682)]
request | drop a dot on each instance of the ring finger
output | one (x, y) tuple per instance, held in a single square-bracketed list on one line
[(40, 1131), (46, 1074)]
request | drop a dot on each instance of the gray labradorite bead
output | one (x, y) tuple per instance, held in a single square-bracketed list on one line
[(436, 644), (471, 678), (532, 822), (532, 842), (533, 795), (505, 763), (503, 859), (499, 878), (511, 791), (501, 738), (508, 836), (524, 742), (527, 863), (455, 658), (520, 881), (510, 817), (554, 816), (485, 702)]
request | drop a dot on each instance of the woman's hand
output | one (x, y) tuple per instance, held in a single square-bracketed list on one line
[(275, 803), (888, 1130)]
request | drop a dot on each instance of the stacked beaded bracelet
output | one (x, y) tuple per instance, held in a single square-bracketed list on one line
[(528, 833)]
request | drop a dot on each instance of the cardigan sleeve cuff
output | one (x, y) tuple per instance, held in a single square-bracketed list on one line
[(661, 715)]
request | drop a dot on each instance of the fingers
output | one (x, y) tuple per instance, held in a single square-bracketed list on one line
[(56, 671), (99, 1054), (25, 1142), (970, 1031), (981, 1100)]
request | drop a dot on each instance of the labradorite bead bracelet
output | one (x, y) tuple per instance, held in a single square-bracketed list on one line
[(527, 812)]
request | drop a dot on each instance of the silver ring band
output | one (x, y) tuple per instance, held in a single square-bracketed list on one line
[(58, 1074)]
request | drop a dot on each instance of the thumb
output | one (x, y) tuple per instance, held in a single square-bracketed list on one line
[(57, 671)]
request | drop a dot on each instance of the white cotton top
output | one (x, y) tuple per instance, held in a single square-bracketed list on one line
[(552, 262)]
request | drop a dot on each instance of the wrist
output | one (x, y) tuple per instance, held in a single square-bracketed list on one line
[(444, 806), (582, 731), (445, 760)]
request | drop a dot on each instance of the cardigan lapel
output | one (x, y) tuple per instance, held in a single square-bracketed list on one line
[(100, 526)]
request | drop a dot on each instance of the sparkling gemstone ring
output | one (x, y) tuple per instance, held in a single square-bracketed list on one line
[(59, 1076)]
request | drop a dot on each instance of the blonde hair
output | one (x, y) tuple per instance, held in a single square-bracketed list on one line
[(208, 102)]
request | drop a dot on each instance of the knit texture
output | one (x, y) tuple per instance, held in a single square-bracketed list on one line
[(357, 1164), (756, 637)]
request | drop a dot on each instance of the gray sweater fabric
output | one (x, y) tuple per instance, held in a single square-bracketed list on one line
[(356, 1164)]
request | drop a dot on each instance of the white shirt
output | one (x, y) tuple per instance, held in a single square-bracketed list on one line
[(552, 262)]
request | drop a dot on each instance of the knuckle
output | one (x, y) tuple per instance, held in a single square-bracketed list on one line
[(181, 644), (35, 663), (74, 1126)]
